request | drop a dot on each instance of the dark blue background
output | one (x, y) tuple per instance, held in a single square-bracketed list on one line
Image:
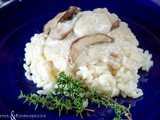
[(20, 20)]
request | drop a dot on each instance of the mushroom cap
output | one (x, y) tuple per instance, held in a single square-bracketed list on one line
[(81, 43)]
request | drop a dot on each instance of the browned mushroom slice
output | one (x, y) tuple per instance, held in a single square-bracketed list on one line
[(52, 24), (65, 23), (62, 24), (115, 25), (64, 28), (69, 14), (81, 43)]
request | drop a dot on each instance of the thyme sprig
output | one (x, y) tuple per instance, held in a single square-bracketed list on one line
[(71, 93)]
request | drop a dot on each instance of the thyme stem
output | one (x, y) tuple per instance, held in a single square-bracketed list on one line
[(128, 115), (86, 109), (74, 107), (71, 93)]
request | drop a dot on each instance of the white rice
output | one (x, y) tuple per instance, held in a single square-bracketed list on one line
[(116, 75)]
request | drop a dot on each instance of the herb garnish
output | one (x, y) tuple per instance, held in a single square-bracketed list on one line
[(71, 93)]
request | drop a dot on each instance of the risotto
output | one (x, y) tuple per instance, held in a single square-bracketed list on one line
[(94, 46)]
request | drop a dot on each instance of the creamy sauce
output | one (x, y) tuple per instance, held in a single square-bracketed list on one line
[(92, 23), (123, 32), (57, 51)]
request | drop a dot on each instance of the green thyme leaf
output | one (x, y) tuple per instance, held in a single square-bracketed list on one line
[(71, 93)]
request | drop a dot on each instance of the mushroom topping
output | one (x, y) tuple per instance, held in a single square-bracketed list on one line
[(52, 24), (62, 24), (64, 28), (69, 14), (81, 43), (115, 25)]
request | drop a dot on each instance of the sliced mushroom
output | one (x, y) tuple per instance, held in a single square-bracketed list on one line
[(52, 24), (64, 28), (81, 43), (62, 24), (69, 14), (115, 25)]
